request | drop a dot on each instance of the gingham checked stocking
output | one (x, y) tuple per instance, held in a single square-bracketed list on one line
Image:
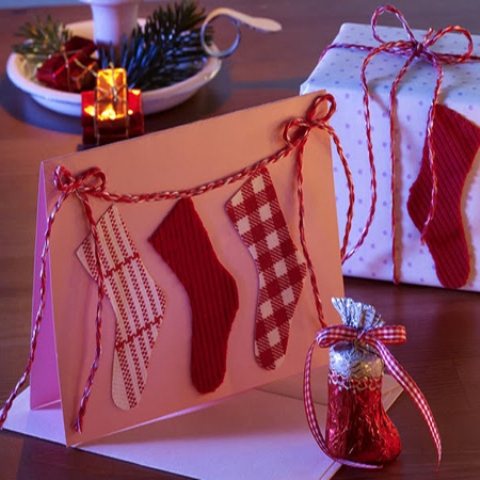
[(182, 241), (138, 303), (455, 141), (256, 214)]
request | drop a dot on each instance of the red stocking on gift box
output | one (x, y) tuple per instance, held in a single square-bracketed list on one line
[(258, 218), (138, 303), (182, 241), (455, 142)]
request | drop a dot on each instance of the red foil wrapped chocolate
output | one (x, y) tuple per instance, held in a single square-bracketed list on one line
[(358, 428), (70, 69), (358, 431)]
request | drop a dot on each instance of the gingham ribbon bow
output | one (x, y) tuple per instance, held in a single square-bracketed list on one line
[(375, 338)]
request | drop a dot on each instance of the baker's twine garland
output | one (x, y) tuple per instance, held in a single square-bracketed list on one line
[(92, 184), (412, 49), (375, 338)]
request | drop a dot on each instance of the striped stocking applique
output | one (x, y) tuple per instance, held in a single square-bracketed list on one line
[(138, 303)]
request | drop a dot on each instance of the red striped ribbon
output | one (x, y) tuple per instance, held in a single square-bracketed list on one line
[(92, 183), (412, 49), (375, 338)]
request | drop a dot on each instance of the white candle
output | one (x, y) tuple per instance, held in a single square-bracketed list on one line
[(113, 19)]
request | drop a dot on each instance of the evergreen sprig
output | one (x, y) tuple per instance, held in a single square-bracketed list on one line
[(42, 38), (167, 50)]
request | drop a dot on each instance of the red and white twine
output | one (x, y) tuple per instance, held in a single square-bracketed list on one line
[(296, 134), (92, 183), (376, 338), (412, 49)]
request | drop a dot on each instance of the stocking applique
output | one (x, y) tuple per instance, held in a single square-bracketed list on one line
[(182, 241), (256, 214), (455, 141), (138, 303)]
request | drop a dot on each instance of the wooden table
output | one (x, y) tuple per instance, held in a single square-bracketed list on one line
[(442, 353)]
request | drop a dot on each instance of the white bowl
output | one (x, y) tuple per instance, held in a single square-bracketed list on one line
[(20, 73)]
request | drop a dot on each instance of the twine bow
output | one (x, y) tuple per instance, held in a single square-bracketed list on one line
[(297, 129), (92, 183), (296, 133), (376, 338), (412, 49)]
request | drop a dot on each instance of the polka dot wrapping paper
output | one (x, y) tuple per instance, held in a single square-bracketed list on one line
[(339, 72)]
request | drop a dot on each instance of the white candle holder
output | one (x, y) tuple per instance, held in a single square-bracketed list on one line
[(113, 19)]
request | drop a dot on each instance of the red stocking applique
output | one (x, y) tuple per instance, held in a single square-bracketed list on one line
[(182, 241), (256, 214), (138, 303), (455, 142)]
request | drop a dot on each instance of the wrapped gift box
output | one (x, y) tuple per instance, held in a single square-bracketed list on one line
[(70, 69), (339, 72)]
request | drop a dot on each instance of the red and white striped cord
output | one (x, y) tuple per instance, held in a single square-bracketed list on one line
[(296, 134)]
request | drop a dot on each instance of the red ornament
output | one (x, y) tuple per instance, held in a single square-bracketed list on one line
[(358, 432), (70, 69)]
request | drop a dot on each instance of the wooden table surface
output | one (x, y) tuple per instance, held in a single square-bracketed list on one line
[(443, 351)]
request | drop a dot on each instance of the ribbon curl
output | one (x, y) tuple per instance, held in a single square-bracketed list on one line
[(376, 338)]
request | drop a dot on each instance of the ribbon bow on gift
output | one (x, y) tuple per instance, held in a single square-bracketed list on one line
[(375, 338), (412, 49)]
